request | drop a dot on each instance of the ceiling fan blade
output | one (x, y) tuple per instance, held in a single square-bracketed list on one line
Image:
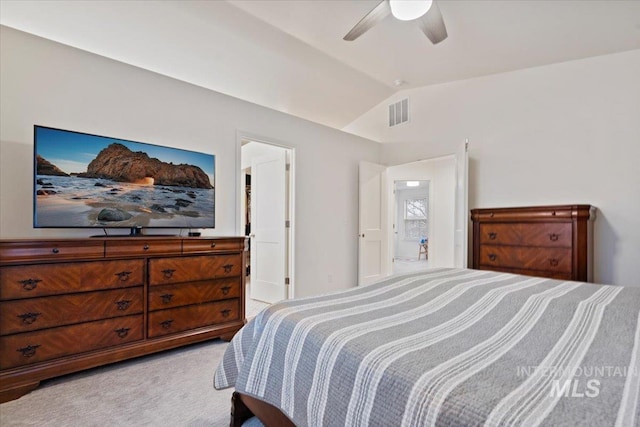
[(432, 24), (377, 14)]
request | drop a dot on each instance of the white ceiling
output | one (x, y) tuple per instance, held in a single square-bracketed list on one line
[(290, 56)]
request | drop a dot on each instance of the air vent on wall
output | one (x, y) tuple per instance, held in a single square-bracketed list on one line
[(399, 112)]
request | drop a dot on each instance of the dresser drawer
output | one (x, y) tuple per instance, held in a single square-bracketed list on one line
[(50, 279), (164, 271), (46, 312), (17, 251), (536, 213), (210, 245), (140, 247), (179, 319), (33, 347), (168, 296), (544, 234), (541, 259), (113, 274)]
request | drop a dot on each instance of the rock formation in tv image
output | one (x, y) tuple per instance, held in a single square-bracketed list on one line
[(123, 188), (44, 167), (118, 163)]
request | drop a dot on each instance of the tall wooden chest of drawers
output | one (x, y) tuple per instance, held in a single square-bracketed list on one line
[(544, 241), (72, 304)]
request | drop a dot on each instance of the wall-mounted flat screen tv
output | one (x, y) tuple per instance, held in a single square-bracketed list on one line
[(91, 181)]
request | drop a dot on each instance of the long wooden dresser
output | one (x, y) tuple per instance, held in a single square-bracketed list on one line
[(545, 241), (73, 304)]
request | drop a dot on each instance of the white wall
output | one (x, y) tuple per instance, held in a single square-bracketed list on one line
[(558, 134), (46, 83), (213, 44)]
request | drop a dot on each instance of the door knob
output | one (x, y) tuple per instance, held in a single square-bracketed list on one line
[(251, 236)]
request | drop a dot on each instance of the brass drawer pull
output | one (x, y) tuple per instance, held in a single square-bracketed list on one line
[(29, 318), (29, 284), (225, 312), (225, 290), (123, 275), (122, 332), (55, 250), (227, 268), (213, 245), (166, 324), (145, 247), (168, 273), (123, 304), (166, 298), (553, 262), (554, 237), (493, 257), (492, 236), (28, 351)]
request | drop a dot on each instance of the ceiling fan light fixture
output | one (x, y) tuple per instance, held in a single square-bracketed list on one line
[(408, 10)]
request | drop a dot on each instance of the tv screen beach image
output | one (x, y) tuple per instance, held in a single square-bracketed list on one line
[(84, 180)]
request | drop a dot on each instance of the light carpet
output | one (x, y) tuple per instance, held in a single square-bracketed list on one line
[(173, 388)]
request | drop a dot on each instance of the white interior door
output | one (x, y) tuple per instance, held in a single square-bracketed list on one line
[(268, 233), (462, 207), (373, 231)]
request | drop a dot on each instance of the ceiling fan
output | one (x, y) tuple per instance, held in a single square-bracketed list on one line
[(425, 12)]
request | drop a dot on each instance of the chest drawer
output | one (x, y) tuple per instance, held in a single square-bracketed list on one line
[(164, 322), (50, 250), (50, 279), (168, 296), (164, 271), (33, 347), (141, 247), (540, 259), (527, 234), (209, 245), (46, 312)]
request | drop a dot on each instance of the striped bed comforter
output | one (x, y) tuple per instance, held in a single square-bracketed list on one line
[(449, 347)]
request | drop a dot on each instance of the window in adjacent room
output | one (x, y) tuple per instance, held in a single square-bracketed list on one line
[(415, 218)]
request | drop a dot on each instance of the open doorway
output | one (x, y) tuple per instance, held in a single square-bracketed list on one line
[(440, 174), (447, 216), (266, 217), (410, 226)]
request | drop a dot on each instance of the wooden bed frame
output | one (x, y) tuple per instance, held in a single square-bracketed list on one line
[(244, 407)]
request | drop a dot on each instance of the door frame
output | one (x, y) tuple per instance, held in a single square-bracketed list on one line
[(241, 137)]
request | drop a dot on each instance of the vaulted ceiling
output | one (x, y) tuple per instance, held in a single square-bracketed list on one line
[(290, 56)]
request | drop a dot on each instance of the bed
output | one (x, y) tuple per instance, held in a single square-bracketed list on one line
[(450, 347)]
